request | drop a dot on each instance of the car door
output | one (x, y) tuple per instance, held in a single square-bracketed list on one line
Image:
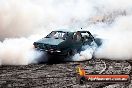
[(77, 40)]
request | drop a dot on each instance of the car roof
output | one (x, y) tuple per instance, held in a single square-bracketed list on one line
[(72, 31)]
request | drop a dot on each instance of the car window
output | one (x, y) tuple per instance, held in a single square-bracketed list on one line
[(57, 34), (77, 37), (85, 36)]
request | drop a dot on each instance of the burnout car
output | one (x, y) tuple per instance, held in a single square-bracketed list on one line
[(64, 43)]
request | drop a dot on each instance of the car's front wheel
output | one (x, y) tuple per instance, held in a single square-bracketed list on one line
[(72, 52)]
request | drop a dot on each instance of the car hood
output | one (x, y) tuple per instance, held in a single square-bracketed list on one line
[(50, 41)]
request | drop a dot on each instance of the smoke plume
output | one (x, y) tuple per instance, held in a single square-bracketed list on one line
[(21, 20), (117, 40)]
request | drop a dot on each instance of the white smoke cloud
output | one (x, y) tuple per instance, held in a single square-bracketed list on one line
[(18, 51), (24, 18), (20, 18), (116, 36), (118, 42)]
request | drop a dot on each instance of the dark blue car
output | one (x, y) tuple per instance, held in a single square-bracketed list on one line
[(64, 43)]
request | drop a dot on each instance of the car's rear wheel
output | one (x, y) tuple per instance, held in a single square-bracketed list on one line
[(72, 52)]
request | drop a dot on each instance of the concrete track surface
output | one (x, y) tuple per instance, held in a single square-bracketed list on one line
[(59, 75)]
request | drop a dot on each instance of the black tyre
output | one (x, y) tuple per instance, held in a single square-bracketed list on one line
[(72, 52)]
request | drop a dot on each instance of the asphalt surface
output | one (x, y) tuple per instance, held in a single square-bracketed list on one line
[(60, 75)]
